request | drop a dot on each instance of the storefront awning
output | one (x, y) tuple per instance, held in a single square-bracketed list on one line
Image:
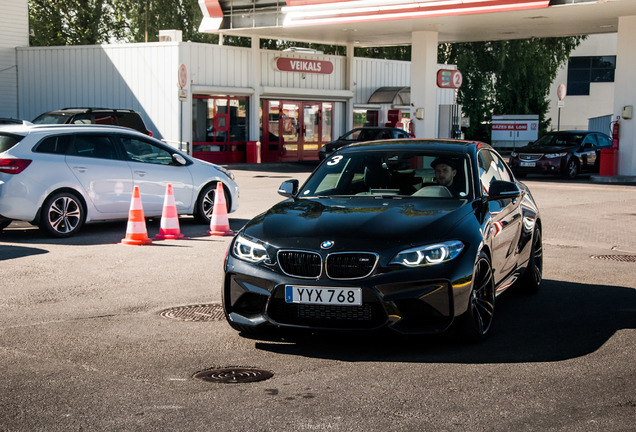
[(391, 95)]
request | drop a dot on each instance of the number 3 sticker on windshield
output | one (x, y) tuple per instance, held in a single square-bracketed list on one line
[(334, 160)]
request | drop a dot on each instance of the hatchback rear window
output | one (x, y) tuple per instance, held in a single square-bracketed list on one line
[(8, 140), (54, 144)]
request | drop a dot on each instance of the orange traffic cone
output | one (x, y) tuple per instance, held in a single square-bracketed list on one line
[(136, 233), (219, 224), (169, 228)]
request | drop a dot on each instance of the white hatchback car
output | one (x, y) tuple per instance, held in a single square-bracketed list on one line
[(59, 176)]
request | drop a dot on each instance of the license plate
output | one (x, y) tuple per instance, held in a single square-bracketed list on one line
[(527, 164), (323, 296)]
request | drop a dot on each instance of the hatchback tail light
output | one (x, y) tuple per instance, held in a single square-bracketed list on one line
[(13, 166), (149, 133)]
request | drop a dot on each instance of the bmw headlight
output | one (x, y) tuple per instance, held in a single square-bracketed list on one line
[(249, 250), (429, 254), (555, 155)]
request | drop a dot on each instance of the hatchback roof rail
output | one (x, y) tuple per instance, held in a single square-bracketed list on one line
[(89, 109)]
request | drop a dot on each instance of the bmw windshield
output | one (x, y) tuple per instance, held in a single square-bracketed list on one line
[(403, 173)]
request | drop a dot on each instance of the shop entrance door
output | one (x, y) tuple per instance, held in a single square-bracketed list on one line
[(300, 130)]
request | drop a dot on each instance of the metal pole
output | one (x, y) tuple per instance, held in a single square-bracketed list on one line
[(559, 120)]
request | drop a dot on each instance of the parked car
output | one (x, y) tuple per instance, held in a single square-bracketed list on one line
[(366, 133), (61, 176), (565, 153), (105, 116), (6, 121), (373, 240)]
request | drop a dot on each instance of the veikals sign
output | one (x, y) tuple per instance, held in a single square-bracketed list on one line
[(285, 64)]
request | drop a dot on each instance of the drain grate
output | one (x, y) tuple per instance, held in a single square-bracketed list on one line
[(202, 312), (621, 258), (234, 375)]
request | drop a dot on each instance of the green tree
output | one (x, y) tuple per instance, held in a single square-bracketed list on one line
[(506, 77), (136, 18), (69, 22)]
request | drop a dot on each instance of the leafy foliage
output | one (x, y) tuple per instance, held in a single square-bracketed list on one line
[(506, 77), (69, 22)]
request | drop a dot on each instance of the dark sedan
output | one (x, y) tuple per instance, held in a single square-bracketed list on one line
[(366, 133), (413, 235), (565, 153)]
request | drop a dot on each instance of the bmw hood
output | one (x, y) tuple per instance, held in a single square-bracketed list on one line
[(359, 223)]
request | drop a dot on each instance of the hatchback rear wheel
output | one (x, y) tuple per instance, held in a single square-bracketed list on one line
[(62, 215)]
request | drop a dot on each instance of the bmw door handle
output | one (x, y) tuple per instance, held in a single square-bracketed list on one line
[(140, 173), (80, 169)]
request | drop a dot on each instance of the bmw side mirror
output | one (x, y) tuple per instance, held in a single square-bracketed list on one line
[(178, 159), (288, 188), (500, 189)]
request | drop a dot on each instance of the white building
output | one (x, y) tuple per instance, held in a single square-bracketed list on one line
[(589, 80), (14, 32), (292, 102)]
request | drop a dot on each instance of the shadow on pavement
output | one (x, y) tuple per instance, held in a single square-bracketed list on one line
[(11, 252), (563, 321), (101, 233)]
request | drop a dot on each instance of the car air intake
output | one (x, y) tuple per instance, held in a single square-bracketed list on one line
[(300, 264), (350, 265)]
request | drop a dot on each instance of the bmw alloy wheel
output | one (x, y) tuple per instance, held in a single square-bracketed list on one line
[(477, 320)]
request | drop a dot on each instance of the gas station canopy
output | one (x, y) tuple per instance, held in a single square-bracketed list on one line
[(392, 22)]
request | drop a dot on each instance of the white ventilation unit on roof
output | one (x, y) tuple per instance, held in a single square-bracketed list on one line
[(170, 36)]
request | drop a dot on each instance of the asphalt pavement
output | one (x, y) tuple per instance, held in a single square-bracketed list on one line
[(91, 338)]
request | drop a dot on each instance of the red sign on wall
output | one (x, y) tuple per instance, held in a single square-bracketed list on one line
[(447, 78), (285, 64), (510, 126)]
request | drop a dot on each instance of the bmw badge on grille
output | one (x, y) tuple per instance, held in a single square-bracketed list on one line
[(327, 244)]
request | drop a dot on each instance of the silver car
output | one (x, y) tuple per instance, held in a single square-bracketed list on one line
[(59, 177)]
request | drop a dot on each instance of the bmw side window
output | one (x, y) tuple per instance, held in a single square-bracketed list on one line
[(95, 146), (54, 144), (487, 170), (502, 169), (143, 151)]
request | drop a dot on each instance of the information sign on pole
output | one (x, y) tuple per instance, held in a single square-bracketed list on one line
[(561, 91), (183, 76)]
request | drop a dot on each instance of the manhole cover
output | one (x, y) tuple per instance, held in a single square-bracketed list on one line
[(622, 258), (202, 312), (234, 375)]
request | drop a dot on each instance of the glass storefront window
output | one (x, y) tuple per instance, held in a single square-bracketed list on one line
[(217, 121), (327, 121)]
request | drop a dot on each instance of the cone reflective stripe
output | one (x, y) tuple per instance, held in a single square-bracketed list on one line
[(219, 224), (169, 228), (136, 233)]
